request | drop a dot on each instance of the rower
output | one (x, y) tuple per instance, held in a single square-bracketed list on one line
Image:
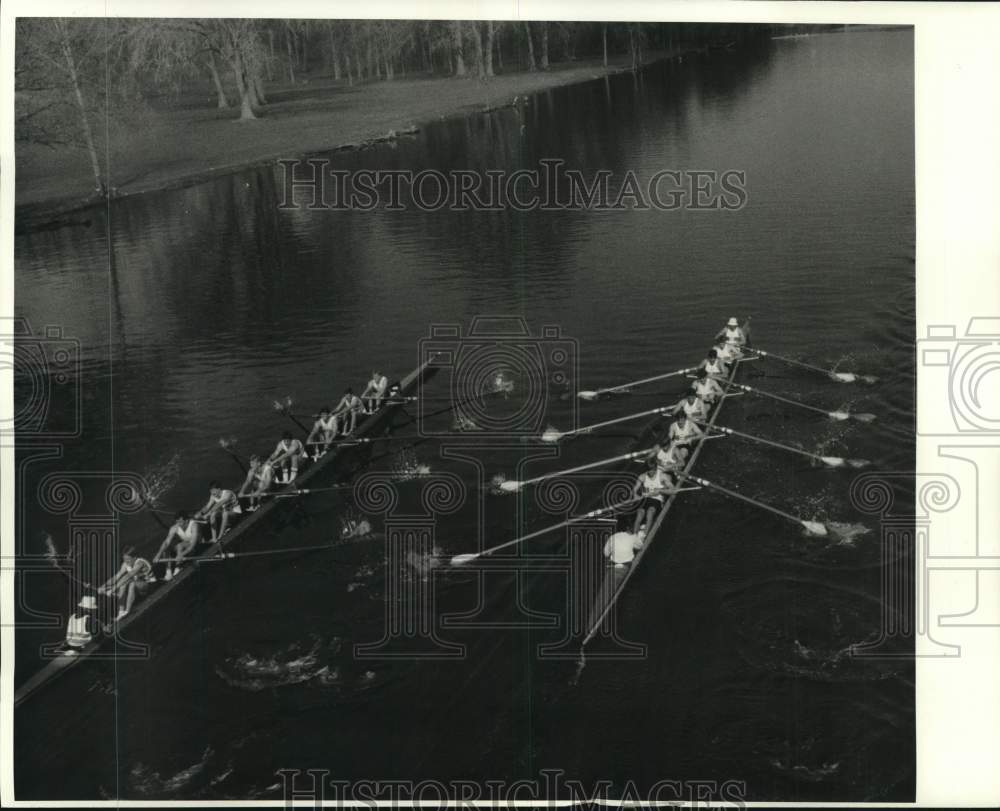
[(185, 531), (131, 580), (286, 457), (692, 405), (670, 458), (727, 352), (221, 505), (734, 335), (323, 432), (652, 487), (259, 479), (82, 626), (707, 388), (684, 432), (349, 407), (714, 365), (374, 392)]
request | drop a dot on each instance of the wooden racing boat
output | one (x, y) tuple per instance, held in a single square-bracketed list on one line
[(250, 521), (616, 578)]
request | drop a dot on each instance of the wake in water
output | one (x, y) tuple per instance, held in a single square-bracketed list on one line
[(290, 665), (160, 479), (148, 783)]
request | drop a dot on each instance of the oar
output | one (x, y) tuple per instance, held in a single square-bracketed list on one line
[(304, 491), (513, 485), (834, 415), (829, 461), (841, 377), (222, 556), (812, 527), (593, 395), (460, 560), (286, 409), (552, 435), (225, 445)]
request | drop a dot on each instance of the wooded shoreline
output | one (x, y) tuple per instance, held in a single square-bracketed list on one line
[(194, 146)]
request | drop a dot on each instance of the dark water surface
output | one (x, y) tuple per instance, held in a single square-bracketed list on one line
[(213, 303)]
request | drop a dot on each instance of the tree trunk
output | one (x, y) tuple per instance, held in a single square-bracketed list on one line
[(456, 36), (499, 42), (271, 61), (289, 52), (334, 57), (246, 102), (489, 48), (532, 65), (604, 42), (219, 89), (545, 45), (257, 85), (477, 39), (88, 136)]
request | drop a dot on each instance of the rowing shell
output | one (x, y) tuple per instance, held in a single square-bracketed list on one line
[(616, 578), (161, 590)]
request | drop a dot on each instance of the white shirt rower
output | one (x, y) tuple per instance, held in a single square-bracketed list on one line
[(286, 456), (692, 405), (683, 431), (259, 479), (220, 506), (349, 407), (652, 487), (714, 365), (670, 458), (374, 392), (707, 388)]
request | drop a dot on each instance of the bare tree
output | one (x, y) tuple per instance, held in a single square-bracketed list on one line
[(532, 65), (456, 32), (489, 48)]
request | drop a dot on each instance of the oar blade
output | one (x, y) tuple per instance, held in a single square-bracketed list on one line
[(461, 560), (815, 528), (864, 417), (858, 463), (552, 435), (843, 377), (833, 461), (840, 416), (587, 395), (510, 486)]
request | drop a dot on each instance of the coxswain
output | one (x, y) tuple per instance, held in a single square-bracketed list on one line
[(184, 531), (82, 626), (286, 456), (374, 392), (621, 547), (692, 405), (714, 365), (707, 388), (683, 431), (349, 407), (323, 432), (222, 504), (131, 580), (733, 334), (651, 487), (259, 479)]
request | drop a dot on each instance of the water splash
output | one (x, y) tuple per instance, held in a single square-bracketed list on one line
[(288, 666), (144, 781), (160, 479), (406, 465)]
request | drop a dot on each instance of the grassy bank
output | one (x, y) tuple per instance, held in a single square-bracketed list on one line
[(187, 141)]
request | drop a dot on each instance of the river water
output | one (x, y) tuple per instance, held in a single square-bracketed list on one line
[(213, 303)]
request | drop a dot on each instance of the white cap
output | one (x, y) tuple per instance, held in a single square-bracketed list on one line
[(88, 601), (732, 322)]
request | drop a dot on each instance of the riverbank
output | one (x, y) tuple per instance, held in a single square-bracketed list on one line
[(183, 146)]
